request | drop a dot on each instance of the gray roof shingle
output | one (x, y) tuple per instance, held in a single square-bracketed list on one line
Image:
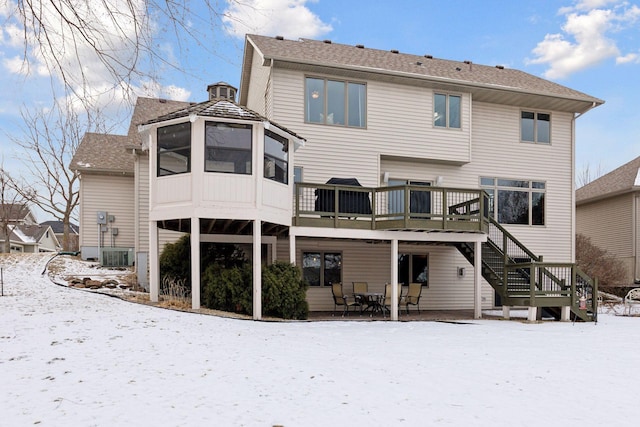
[(620, 180), (108, 152), (314, 52)]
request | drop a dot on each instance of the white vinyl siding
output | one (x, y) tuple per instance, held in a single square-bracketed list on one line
[(115, 195), (446, 290), (257, 94)]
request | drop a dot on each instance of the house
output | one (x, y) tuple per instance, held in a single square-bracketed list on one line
[(112, 202), (465, 176), (25, 234), (608, 212), (58, 230)]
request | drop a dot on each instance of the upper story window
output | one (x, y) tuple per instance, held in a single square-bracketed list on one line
[(174, 149), (335, 102), (227, 148), (446, 110), (535, 127), (276, 157), (517, 202)]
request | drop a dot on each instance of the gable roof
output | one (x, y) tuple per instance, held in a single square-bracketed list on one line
[(58, 227), (15, 212), (222, 109), (108, 152), (487, 83), (619, 181)]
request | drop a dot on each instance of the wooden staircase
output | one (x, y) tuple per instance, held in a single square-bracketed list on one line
[(521, 278)]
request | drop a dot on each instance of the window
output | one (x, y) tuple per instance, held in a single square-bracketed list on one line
[(276, 157), (228, 148), (174, 149), (514, 201), (334, 102), (413, 268), (446, 111), (535, 127), (322, 268)]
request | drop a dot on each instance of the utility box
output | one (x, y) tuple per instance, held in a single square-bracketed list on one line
[(101, 217)]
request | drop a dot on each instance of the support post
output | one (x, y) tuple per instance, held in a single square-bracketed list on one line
[(477, 280), (195, 263), (565, 313), (532, 314), (257, 270), (394, 279), (506, 312), (154, 264), (292, 247)]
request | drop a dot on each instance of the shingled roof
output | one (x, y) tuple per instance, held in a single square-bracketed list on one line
[(108, 152), (485, 79), (621, 180), (222, 109)]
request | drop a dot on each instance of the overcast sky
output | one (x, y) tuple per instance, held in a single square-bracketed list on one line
[(589, 45)]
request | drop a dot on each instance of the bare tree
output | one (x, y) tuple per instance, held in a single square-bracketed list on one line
[(121, 38), (10, 199), (50, 140), (588, 174), (597, 262)]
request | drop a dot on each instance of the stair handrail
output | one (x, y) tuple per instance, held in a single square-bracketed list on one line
[(508, 237)]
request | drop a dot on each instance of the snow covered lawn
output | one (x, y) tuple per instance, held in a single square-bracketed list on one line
[(73, 358)]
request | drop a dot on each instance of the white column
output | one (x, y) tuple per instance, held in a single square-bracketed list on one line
[(292, 247), (565, 313), (195, 263), (532, 314), (154, 266), (506, 312), (257, 270), (477, 280), (394, 279)]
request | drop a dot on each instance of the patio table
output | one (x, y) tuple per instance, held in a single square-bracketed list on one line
[(373, 300)]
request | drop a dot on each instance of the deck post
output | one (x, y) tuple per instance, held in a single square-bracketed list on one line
[(154, 267), (477, 280), (195, 263), (565, 313), (506, 312), (394, 279), (257, 269), (292, 247), (532, 315)]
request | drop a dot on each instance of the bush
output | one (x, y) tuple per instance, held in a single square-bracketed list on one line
[(175, 260), (284, 292), (228, 289), (599, 264), (231, 289)]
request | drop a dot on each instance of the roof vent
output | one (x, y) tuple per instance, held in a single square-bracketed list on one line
[(429, 56), (360, 46), (279, 38), (394, 51), (327, 41), (221, 90), (467, 62), (500, 67), (418, 63), (458, 69)]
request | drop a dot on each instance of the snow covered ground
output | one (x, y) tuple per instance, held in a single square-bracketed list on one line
[(73, 358)]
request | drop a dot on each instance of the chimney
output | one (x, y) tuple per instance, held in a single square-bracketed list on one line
[(221, 90)]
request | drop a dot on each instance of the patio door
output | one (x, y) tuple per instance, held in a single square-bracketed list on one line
[(419, 201)]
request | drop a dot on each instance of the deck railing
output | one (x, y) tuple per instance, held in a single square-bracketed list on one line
[(392, 207)]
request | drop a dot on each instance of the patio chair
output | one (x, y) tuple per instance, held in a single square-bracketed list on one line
[(386, 305), (413, 296), (340, 299), (359, 290)]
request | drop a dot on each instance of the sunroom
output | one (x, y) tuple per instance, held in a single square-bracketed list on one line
[(222, 170)]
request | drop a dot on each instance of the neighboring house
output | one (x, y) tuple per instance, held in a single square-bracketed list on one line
[(111, 203), (608, 212), (467, 174), (25, 234), (58, 230)]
